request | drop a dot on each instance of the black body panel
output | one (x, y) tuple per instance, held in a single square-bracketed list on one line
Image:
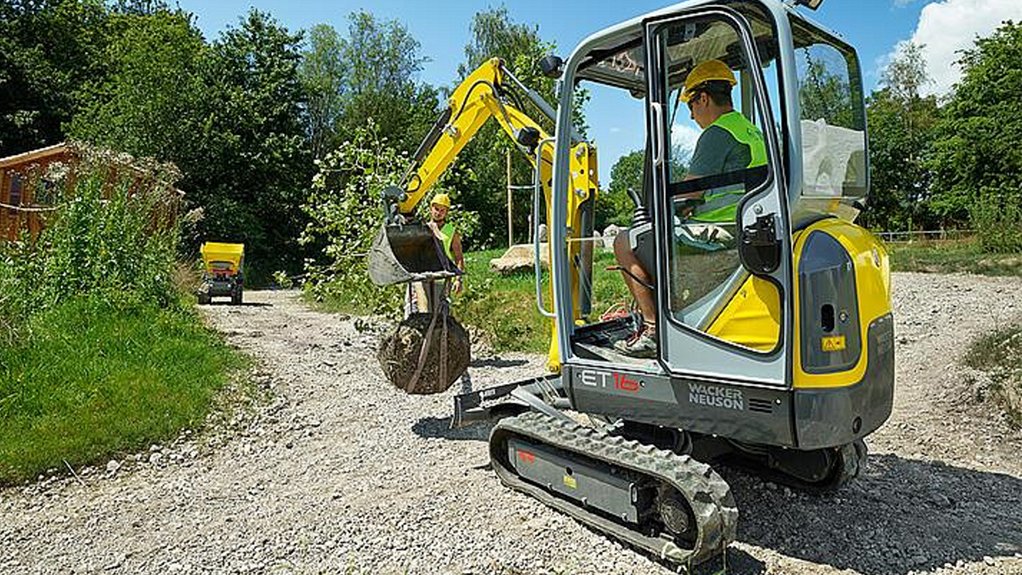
[(835, 416), (746, 413), (829, 305), (803, 418)]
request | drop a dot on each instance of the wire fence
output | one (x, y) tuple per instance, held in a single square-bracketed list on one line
[(925, 235)]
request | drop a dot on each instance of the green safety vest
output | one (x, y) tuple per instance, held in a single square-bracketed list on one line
[(721, 205), (447, 235)]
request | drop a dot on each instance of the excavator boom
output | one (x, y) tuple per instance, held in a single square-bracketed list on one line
[(406, 252)]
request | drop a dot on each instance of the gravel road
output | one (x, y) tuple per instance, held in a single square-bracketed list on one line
[(338, 472)]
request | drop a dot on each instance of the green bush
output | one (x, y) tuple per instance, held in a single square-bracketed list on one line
[(98, 354), (346, 211), (111, 235), (999, 355), (997, 218)]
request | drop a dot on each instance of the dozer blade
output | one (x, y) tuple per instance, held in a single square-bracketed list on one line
[(669, 505), (408, 253)]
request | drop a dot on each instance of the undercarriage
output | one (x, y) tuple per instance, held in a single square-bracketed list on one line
[(649, 486)]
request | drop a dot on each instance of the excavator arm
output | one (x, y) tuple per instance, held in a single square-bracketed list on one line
[(489, 92)]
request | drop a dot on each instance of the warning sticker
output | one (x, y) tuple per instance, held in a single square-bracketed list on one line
[(571, 482), (834, 343)]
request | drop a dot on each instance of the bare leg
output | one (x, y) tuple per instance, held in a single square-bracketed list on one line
[(627, 260)]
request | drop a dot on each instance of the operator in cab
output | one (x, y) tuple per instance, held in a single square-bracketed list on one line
[(729, 142)]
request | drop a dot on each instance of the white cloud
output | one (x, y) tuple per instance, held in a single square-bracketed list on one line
[(684, 137), (948, 26), (902, 3)]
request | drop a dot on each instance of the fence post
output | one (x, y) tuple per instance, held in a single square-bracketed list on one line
[(510, 225)]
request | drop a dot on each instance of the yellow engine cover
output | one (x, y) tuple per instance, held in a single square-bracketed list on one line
[(752, 318), (872, 270)]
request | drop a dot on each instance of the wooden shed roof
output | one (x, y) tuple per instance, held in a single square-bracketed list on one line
[(33, 155)]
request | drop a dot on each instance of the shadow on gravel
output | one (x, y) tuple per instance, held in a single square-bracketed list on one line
[(904, 515), (243, 304), (440, 428), (738, 562), (497, 362)]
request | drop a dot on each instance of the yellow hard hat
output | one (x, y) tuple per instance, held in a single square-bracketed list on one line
[(705, 72), (441, 200)]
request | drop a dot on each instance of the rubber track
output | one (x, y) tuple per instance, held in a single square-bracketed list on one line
[(706, 492)]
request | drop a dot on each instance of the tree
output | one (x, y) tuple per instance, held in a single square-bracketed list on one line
[(906, 73), (383, 59), (48, 49), (495, 35), (977, 162), (615, 206), (324, 74), (824, 94), (252, 163), (150, 100), (343, 207), (484, 174), (901, 127)]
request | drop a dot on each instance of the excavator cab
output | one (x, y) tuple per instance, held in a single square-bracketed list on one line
[(775, 336), (777, 300)]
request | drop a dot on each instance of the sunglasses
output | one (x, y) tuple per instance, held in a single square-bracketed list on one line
[(693, 99)]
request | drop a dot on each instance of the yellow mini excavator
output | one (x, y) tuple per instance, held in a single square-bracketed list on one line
[(775, 337)]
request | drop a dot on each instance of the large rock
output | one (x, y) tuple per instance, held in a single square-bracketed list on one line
[(609, 235), (519, 257), (399, 354)]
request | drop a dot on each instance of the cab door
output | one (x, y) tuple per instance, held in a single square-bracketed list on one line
[(721, 219)]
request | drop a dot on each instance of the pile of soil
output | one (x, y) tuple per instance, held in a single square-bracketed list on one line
[(399, 354)]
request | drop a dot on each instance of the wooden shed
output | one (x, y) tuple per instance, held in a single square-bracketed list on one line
[(25, 199), (28, 194)]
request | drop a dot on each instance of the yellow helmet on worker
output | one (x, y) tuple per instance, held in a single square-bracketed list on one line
[(707, 71), (441, 200)]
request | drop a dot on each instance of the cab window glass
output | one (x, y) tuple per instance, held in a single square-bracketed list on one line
[(717, 155), (832, 119)]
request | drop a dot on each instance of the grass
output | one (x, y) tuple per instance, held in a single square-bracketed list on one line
[(504, 308), (952, 256), (87, 380), (1000, 355)]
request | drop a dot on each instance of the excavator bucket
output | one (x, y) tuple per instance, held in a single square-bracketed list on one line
[(408, 253)]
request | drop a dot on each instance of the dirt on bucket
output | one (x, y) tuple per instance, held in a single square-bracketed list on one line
[(400, 350)]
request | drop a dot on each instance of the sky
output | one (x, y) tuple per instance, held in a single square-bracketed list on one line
[(875, 27)]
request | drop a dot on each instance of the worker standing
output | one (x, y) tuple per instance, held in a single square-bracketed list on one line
[(729, 143), (418, 293), (439, 207)]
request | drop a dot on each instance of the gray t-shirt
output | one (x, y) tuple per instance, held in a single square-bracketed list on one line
[(718, 152)]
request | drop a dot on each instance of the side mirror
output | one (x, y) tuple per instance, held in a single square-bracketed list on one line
[(551, 66), (528, 137)]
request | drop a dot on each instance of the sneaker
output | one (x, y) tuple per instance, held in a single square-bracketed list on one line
[(641, 344)]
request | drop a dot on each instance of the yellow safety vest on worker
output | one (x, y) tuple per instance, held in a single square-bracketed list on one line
[(447, 236), (721, 205)]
